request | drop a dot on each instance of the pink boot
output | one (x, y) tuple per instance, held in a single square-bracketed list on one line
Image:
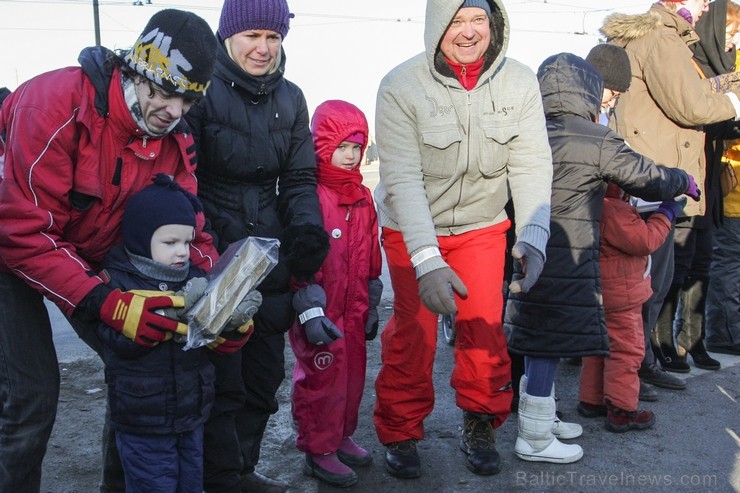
[(352, 454), (328, 468)]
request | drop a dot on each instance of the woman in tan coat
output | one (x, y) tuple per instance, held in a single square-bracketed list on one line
[(661, 117)]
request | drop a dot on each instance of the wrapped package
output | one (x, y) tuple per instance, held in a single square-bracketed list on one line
[(239, 270)]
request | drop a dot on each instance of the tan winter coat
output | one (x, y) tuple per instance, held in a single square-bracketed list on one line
[(662, 113)]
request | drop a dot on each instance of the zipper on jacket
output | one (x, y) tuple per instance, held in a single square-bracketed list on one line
[(143, 141)]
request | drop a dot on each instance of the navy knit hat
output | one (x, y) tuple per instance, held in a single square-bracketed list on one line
[(164, 202), (176, 50), (613, 64), (481, 4), (244, 15)]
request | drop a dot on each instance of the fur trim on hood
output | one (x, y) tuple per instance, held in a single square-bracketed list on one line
[(626, 27)]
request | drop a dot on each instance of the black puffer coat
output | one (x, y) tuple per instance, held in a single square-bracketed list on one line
[(159, 390), (563, 315), (256, 169)]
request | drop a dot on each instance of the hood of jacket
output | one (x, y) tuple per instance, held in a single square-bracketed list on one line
[(709, 52), (228, 70), (332, 122), (623, 28), (439, 14), (570, 86)]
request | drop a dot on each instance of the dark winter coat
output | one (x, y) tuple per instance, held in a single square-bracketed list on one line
[(160, 390), (256, 174), (563, 314)]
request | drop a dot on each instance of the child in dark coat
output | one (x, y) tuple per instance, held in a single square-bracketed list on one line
[(160, 395), (609, 384)]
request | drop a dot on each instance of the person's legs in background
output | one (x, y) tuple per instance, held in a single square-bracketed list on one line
[(722, 322), (693, 297), (663, 347), (661, 277), (263, 370), (29, 385)]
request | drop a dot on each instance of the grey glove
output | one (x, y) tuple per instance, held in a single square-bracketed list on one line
[(532, 261), (375, 290), (309, 303), (436, 290), (244, 311), (194, 290)]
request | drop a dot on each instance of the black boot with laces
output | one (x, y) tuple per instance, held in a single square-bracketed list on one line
[(478, 443)]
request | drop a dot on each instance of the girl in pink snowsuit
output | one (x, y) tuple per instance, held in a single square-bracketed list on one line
[(329, 374)]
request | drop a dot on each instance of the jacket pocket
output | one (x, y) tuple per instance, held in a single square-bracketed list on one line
[(493, 153), (440, 151), (138, 401)]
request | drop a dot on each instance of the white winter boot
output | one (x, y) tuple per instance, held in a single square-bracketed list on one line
[(536, 441), (560, 429)]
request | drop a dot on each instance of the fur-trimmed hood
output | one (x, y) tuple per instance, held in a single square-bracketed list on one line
[(623, 28)]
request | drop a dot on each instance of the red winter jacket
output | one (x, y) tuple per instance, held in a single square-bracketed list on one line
[(626, 241), (354, 253), (73, 157)]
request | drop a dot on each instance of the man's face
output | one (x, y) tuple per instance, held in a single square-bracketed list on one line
[(159, 108), (468, 36)]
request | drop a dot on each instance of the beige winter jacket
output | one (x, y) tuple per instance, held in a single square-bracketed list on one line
[(662, 113)]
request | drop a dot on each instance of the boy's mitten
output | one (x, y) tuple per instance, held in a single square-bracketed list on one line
[(375, 290), (532, 261), (192, 292), (436, 290), (305, 247), (309, 303), (244, 311), (672, 208)]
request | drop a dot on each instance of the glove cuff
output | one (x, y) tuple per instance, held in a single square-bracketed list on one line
[(309, 314)]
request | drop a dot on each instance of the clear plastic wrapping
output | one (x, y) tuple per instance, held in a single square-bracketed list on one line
[(239, 270)]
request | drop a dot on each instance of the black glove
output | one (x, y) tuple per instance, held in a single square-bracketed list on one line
[(532, 261), (305, 247), (375, 290), (672, 208), (436, 290), (309, 303)]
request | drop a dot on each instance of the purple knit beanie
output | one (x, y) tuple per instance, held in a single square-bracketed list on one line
[(243, 15)]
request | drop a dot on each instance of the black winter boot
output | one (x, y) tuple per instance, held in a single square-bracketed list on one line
[(702, 359), (402, 459), (669, 358), (478, 443)]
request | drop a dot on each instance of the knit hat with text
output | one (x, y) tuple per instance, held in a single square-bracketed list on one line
[(245, 15), (176, 51), (613, 64)]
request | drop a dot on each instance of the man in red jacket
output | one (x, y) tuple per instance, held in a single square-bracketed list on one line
[(77, 143)]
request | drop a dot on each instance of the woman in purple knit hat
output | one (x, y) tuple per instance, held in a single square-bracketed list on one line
[(252, 132)]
